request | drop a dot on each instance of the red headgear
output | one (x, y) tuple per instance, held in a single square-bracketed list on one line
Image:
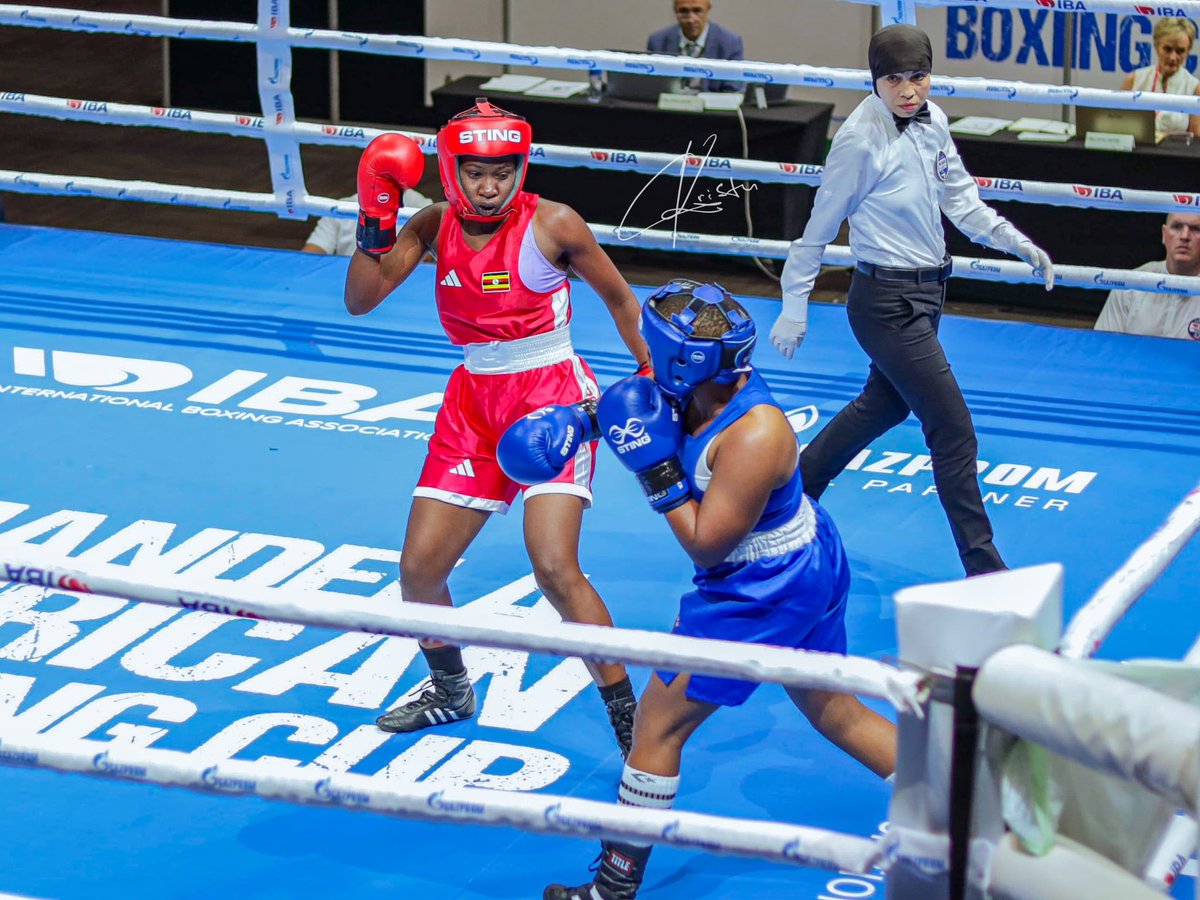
[(487, 131)]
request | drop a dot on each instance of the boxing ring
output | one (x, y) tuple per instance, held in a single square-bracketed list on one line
[(204, 426)]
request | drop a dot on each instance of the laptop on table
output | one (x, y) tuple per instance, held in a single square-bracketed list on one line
[(646, 88)]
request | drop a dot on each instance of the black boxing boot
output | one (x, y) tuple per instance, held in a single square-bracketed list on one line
[(621, 706), (620, 873)]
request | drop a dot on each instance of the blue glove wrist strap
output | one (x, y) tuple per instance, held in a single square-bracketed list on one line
[(587, 411), (665, 485)]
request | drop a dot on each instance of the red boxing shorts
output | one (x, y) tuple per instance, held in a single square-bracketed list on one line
[(461, 467)]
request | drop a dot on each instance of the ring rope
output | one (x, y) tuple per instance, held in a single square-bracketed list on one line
[(535, 812), (1096, 619), (730, 659), (590, 60), (606, 158), (994, 270), (1100, 720)]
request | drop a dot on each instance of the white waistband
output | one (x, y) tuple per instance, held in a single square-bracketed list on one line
[(521, 355), (793, 534)]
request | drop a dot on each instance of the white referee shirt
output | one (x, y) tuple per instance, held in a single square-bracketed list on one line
[(893, 187), (1145, 312)]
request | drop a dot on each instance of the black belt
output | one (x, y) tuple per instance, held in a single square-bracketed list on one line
[(912, 276)]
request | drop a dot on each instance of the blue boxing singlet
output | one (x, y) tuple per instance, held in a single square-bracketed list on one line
[(785, 583)]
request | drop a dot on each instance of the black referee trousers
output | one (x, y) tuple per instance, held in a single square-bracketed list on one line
[(896, 323)]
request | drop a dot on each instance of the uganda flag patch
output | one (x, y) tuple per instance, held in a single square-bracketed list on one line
[(495, 281)]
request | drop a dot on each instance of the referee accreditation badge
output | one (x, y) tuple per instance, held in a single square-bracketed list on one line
[(495, 281), (941, 166)]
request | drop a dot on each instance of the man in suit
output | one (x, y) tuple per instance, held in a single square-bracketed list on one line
[(694, 35)]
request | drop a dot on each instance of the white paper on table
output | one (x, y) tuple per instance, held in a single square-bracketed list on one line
[(984, 125), (1050, 126), (552, 88), (1045, 137), (516, 84)]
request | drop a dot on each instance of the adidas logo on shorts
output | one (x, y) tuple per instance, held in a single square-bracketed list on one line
[(464, 468), (451, 280)]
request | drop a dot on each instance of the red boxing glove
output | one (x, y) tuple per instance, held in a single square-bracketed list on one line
[(390, 165)]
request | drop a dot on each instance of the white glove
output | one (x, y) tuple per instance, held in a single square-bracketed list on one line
[(787, 335), (1037, 258)]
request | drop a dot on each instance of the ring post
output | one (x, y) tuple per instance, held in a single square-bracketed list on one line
[(942, 628), (274, 54)]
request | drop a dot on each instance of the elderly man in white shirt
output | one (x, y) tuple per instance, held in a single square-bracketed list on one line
[(893, 170)]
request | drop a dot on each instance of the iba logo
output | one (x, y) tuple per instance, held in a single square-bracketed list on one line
[(242, 394), (113, 373)]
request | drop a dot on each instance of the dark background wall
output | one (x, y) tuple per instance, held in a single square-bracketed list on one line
[(217, 75)]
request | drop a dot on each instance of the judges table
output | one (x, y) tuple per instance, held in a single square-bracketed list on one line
[(1073, 235), (791, 132)]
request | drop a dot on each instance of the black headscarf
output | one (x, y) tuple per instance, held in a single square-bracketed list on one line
[(900, 48)]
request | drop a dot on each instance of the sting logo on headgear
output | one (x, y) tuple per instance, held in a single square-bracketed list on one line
[(490, 133), (682, 359)]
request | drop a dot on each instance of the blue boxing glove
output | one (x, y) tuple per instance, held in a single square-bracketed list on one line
[(642, 426), (536, 447)]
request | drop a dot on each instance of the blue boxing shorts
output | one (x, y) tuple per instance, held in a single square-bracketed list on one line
[(796, 599)]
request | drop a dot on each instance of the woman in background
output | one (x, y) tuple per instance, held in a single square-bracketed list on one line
[(1173, 40)]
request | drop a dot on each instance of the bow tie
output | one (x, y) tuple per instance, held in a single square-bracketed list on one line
[(921, 115)]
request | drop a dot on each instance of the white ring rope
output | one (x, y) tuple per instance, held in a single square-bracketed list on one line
[(827, 671), (571, 58), (996, 270), (542, 813), (606, 158), (1092, 624), (1100, 720)]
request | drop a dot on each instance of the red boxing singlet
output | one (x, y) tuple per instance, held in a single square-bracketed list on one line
[(480, 295)]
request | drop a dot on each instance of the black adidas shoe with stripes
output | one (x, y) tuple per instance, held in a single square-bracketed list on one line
[(448, 698)]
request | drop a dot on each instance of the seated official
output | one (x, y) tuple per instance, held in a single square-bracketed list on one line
[(1173, 40), (335, 236), (694, 35), (1161, 315)]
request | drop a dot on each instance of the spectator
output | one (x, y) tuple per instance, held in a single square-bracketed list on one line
[(695, 35), (1173, 39), (336, 236), (1161, 315)]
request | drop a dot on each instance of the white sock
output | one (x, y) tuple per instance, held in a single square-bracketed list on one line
[(646, 790)]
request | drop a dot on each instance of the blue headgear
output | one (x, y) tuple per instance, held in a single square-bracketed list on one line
[(680, 359)]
